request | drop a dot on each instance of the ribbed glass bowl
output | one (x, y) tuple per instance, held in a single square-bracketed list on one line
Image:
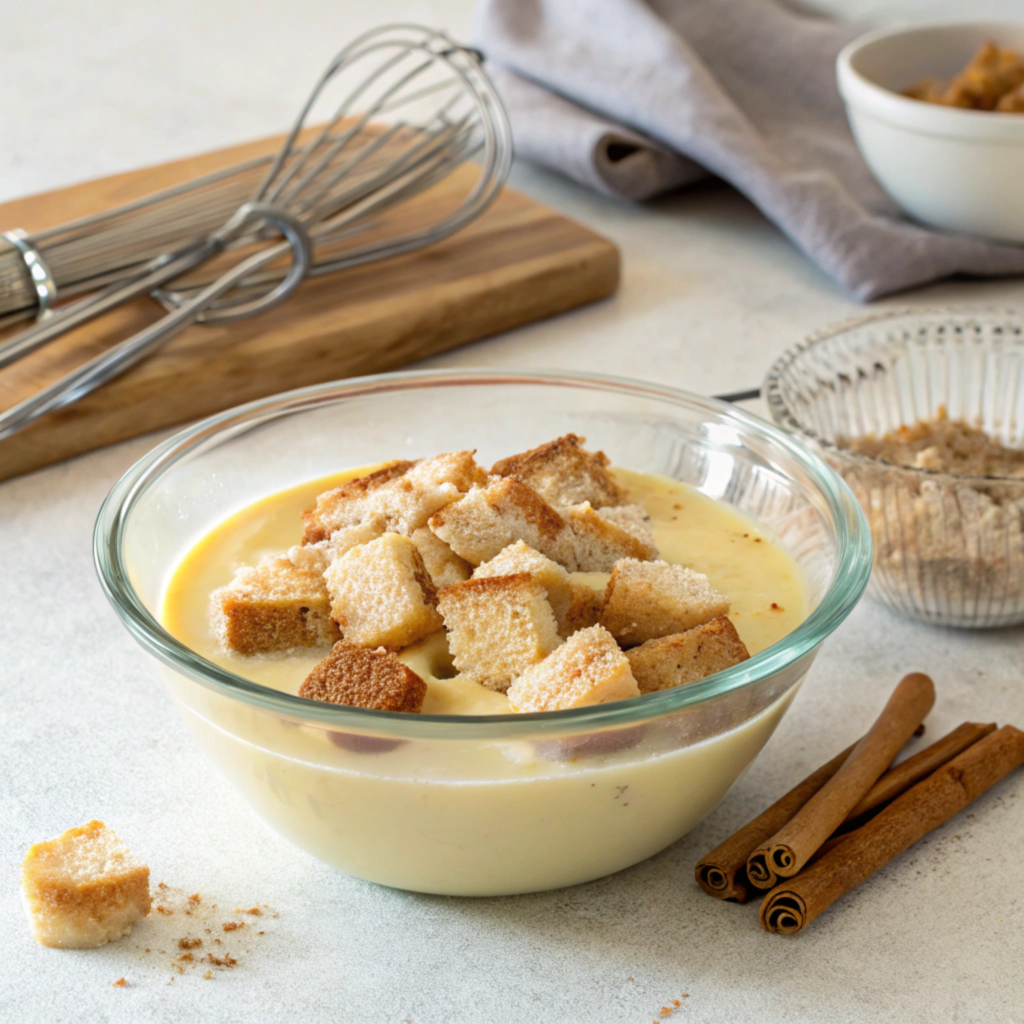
[(949, 549), (493, 804)]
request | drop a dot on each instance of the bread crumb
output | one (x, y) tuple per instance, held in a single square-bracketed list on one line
[(120, 983)]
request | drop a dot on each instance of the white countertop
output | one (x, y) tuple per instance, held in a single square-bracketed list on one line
[(710, 294)]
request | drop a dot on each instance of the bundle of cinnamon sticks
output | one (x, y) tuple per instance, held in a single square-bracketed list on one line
[(856, 813)]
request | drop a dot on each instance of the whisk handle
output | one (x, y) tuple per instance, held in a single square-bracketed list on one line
[(157, 273), (110, 364)]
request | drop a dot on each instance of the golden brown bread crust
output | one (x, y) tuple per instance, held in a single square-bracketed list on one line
[(687, 657), (70, 906), (274, 606), (563, 473), (315, 530), (362, 678)]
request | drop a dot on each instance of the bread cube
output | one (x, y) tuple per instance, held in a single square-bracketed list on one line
[(520, 557), (405, 494), (382, 595), (274, 606), (316, 557), (351, 503), (647, 600), (445, 567), (484, 522), (83, 889), (687, 657), (363, 678), (498, 627), (599, 542), (585, 606), (562, 473), (589, 668)]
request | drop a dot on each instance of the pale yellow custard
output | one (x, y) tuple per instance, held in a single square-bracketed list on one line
[(486, 814), (760, 579)]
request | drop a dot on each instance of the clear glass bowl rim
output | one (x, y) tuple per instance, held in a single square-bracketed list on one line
[(784, 416), (848, 582)]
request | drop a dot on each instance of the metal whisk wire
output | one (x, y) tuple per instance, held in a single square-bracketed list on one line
[(319, 195)]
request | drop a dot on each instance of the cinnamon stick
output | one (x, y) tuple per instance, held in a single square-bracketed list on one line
[(792, 905), (786, 852), (722, 873), (911, 771)]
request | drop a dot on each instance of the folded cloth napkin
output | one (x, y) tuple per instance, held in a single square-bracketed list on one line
[(635, 98)]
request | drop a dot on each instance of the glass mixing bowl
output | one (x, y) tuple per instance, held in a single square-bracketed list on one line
[(504, 803), (949, 549)]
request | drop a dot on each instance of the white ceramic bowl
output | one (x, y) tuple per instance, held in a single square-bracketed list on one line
[(959, 170)]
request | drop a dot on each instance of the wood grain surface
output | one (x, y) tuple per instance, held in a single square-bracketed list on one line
[(519, 262)]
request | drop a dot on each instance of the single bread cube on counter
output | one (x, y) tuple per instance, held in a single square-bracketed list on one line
[(382, 595), (83, 889), (363, 678), (589, 668), (498, 627), (405, 494), (563, 473), (482, 524), (519, 558), (274, 606), (445, 567), (647, 600), (599, 542), (687, 657)]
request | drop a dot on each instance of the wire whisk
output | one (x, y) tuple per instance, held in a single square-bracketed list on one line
[(410, 106)]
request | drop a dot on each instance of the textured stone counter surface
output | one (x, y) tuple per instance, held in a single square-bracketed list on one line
[(710, 294)]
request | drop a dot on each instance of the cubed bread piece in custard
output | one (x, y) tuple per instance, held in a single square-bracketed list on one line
[(84, 888), (599, 542), (589, 668), (273, 606), (405, 494), (498, 627), (362, 677), (585, 604), (382, 595), (520, 557), (563, 473), (445, 567), (647, 600), (484, 522), (687, 657), (316, 557)]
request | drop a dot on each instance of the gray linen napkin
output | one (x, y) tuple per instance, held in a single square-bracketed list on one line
[(636, 98)]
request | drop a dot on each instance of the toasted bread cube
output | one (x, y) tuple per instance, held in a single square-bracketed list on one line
[(687, 657), (363, 678), (274, 606), (647, 600), (405, 494), (520, 557), (585, 605), (589, 668), (562, 473), (484, 522), (351, 503), (599, 542), (83, 889), (316, 557), (382, 595), (445, 567), (498, 627)]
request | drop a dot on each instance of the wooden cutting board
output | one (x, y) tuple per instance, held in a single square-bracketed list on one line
[(519, 262)]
